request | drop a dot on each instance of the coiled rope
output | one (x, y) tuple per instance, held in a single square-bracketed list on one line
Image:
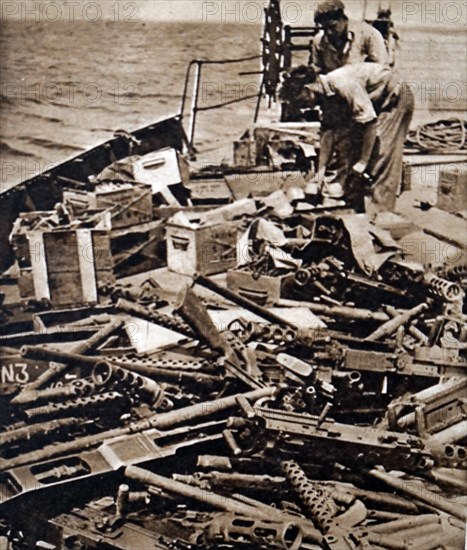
[(443, 135)]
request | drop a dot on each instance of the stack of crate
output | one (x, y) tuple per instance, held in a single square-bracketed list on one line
[(129, 204), (60, 264)]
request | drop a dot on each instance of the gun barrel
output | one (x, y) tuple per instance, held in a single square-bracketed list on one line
[(82, 348), (391, 326), (243, 302), (425, 496), (169, 419), (67, 358)]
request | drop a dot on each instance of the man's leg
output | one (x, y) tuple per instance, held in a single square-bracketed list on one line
[(387, 158)]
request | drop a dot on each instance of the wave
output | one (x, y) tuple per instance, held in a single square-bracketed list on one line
[(136, 96), (132, 61), (48, 144), (157, 95), (33, 97), (44, 117), (6, 149), (6, 100), (101, 107)]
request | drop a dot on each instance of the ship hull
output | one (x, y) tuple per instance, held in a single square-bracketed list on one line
[(43, 191)]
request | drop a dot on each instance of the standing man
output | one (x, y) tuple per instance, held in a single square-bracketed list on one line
[(376, 108), (341, 42), (385, 26)]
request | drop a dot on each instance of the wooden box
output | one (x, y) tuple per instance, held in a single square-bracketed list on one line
[(206, 249), (129, 204), (452, 191), (245, 153), (65, 267)]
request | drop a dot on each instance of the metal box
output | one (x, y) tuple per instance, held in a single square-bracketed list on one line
[(306, 134), (206, 249)]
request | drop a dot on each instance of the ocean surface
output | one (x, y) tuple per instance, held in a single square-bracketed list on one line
[(67, 86)]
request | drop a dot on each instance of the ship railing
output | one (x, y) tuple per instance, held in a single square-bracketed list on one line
[(197, 65)]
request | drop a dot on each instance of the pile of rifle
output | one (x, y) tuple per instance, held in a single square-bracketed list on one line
[(255, 425)]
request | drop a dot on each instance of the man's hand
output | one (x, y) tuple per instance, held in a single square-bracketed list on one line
[(359, 168)]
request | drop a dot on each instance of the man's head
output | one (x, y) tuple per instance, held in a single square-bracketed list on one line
[(331, 16), (295, 81)]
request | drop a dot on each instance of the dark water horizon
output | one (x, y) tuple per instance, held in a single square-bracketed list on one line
[(67, 86)]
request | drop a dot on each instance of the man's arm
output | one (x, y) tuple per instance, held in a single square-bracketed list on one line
[(325, 154), (349, 88), (368, 142)]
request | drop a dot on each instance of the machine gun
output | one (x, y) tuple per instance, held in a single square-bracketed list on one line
[(139, 441), (357, 446)]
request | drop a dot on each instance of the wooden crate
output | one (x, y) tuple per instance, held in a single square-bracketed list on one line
[(204, 250), (245, 153), (452, 192), (129, 204), (65, 267)]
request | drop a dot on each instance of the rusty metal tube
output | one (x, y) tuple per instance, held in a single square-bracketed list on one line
[(98, 338), (226, 463), (45, 354), (391, 326), (67, 358), (219, 502), (236, 480), (339, 312), (103, 372), (168, 419), (27, 432), (453, 434), (31, 396), (243, 302), (426, 496), (82, 348), (385, 499), (413, 331), (155, 316), (383, 541), (400, 525), (447, 290)]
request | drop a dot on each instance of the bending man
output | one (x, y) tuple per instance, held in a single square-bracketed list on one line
[(377, 108), (342, 42)]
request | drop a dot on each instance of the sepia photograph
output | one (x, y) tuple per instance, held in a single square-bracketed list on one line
[(233, 279)]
